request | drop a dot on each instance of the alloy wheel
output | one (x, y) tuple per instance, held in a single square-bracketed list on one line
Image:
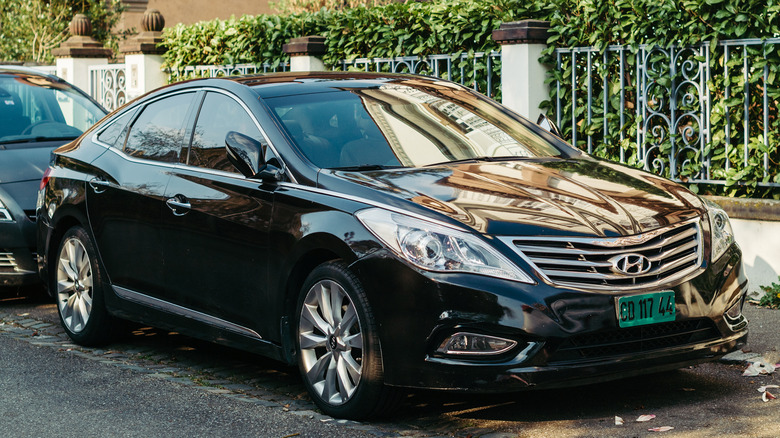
[(74, 285), (331, 342)]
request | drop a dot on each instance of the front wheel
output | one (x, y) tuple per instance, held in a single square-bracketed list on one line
[(338, 348), (78, 287)]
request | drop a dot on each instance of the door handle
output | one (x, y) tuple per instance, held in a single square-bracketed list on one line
[(178, 205), (99, 185)]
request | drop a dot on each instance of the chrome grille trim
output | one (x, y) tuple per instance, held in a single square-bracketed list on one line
[(5, 215), (7, 260), (675, 253)]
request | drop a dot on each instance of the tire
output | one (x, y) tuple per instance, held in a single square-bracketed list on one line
[(337, 346), (77, 283)]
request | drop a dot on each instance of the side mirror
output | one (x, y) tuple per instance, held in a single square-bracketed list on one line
[(245, 153), (545, 123)]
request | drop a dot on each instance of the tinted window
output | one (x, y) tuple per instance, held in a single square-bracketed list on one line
[(157, 133), (402, 125), (219, 115), (115, 133)]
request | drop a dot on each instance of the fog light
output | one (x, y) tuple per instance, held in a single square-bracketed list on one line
[(736, 310), (471, 343)]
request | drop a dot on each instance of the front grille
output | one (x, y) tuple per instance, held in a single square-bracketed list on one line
[(7, 262), (590, 263), (635, 340), (31, 215)]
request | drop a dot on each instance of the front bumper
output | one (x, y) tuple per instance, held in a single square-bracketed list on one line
[(564, 336), (18, 263)]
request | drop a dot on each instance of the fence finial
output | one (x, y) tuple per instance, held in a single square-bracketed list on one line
[(81, 44)]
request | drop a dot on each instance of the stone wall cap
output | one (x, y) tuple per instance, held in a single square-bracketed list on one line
[(306, 46), (145, 43), (747, 208), (523, 32)]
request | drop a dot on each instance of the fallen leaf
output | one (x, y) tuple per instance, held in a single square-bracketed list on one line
[(618, 421), (643, 418), (766, 396), (758, 368), (661, 429)]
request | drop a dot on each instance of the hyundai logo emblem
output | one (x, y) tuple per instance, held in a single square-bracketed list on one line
[(631, 264)]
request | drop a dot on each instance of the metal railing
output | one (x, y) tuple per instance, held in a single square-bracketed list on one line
[(479, 70), (107, 85), (691, 113), (214, 71)]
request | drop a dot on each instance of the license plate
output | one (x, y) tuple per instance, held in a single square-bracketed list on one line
[(645, 309)]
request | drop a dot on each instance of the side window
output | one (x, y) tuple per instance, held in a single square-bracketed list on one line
[(114, 135), (219, 115), (157, 133)]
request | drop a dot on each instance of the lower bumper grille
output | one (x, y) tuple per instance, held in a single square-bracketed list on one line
[(635, 340), (7, 262)]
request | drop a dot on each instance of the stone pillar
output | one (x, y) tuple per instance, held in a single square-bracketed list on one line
[(143, 56), (75, 55), (522, 75), (306, 53)]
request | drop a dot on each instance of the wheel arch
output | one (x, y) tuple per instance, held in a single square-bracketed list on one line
[(309, 253), (66, 218)]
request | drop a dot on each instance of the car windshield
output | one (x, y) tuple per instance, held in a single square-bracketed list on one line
[(34, 108), (398, 125)]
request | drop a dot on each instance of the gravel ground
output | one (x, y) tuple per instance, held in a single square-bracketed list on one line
[(158, 383)]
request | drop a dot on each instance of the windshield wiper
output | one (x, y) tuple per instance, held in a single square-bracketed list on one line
[(38, 139), (475, 159), (363, 167)]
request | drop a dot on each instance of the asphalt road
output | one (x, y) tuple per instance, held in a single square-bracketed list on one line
[(158, 383)]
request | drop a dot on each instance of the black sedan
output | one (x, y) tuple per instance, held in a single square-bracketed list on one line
[(38, 113), (383, 232)]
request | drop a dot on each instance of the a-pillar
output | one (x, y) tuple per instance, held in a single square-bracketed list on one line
[(143, 56), (523, 86), (75, 55), (306, 53)]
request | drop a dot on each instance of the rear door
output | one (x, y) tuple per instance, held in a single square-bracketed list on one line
[(216, 224), (126, 200)]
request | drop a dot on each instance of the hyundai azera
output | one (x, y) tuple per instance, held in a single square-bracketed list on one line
[(383, 232)]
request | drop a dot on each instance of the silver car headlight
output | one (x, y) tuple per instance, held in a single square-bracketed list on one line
[(721, 234), (435, 247), (5, 215)]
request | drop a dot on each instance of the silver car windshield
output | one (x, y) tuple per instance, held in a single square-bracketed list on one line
[(396, 125)]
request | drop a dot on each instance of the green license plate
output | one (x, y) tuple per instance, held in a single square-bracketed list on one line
[(645, 309)]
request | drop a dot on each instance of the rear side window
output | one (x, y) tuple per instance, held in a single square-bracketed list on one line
[(219, 115), (158, 131), (114, 135)]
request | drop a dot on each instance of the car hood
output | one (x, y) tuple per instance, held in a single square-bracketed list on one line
[(585, 197), (21, 169)]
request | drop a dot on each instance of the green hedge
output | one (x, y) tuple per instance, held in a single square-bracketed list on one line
[(400, 29), (397, 29)]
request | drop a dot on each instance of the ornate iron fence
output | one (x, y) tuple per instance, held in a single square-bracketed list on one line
[(213, 71), (479, 70), (696, 114), (107, 85)]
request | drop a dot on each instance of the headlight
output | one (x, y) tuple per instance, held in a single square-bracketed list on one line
[(438, 248), (5, 215), (721, 234)]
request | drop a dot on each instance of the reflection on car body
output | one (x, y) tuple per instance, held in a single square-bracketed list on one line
[(383, 232)]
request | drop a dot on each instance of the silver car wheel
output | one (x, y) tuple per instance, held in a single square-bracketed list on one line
[(331, 342), (74, 285)]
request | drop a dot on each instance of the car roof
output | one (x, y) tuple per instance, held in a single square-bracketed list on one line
[(284, 84)]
